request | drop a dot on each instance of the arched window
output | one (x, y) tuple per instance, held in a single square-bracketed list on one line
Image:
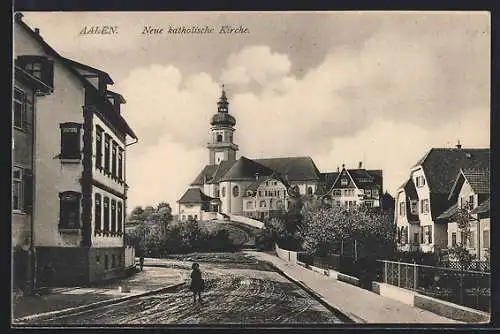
[(223, 192), (219, 138), (236, 191), (309, 190), (262, 204)]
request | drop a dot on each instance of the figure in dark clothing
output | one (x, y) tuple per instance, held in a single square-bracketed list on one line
[(197, 283), (141, 261)]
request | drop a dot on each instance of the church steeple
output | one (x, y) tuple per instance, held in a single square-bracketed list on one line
[(221, 146)]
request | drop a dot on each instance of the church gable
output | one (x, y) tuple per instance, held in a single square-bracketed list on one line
[(204, 176)]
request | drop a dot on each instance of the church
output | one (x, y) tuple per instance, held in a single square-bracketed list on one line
[(259, 188)]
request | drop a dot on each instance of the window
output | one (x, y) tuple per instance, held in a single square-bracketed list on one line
[(275, 183), (98, 147), (424, 206), (38, 66), (375, 192), (219, 138), (414, 207), (195, 217), (69, 206), (17, 189), (472, 239), (97, 212), (224, 192), (106, 264), (486, 239), (106, 214), (336, 192), (249, 205), (120, 216), (120, 164), (415, 238), (190, 217), (344, 181), (368, 192), (462, 238), (263, 204), (453, 239), (402, 209), (113, 159), (420, 181), (471, 202), (107, 143), (113, 215), (22, 109), (183, 217), (70, 141), (428, 234), (369, 204), (217, 193), (236, 191), (309, 190), (113, 260), (260, 192)]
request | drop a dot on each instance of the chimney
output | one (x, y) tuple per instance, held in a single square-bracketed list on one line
[(343, 166), (360, 165), (338, 169), (459, 146)]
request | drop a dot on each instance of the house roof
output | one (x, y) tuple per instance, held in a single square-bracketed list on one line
[(479, 180), (327, 180), (410, 189), (293, 168), (109, 111), (104, 75), (484, 207), (245, 170), (449, 213), (194, 196), (32, 81), (441, 165)]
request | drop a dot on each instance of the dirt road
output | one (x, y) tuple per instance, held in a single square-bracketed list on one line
[(239, 290)]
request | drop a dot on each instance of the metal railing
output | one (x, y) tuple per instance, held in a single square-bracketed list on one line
[(464, 287)]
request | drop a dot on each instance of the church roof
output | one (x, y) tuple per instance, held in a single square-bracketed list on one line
[(206, 173), (221, 170), (194, 195), (245, 170), (293, 168)]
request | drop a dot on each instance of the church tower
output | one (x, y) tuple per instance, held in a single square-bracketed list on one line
[(221, 146)]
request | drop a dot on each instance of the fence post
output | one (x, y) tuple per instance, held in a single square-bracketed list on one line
[(399, 273), (385, 271), (414, 275)]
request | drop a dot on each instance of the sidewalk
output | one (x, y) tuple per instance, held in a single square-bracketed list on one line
[(359, 304), (150, 279)]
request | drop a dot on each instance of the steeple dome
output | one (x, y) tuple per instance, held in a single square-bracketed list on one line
[(223, 117)]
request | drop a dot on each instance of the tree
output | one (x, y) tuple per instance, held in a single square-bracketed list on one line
[(460, 252)]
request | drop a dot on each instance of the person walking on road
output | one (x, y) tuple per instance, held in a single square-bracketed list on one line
[(197, 283), (141, 261)]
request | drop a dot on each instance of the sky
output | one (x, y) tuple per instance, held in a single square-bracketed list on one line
[(341, 87)]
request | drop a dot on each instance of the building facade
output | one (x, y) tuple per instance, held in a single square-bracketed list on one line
[(261, 188), (424, 197), (471, 195), (79, 177)]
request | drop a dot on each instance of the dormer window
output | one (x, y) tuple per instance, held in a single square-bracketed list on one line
[(344, 181), (40, 67)]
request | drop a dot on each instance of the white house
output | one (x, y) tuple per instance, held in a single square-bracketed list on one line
[(79, 171), (424, 197)]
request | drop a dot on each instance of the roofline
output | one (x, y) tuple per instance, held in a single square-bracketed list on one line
[(120, 96), (455, 183), (21, 74), (90, 68), (50, 50)]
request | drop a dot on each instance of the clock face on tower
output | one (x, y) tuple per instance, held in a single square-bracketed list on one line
[(219, 156)]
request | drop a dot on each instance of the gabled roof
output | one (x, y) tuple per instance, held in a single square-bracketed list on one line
[(441, 165), (410, 189), (327, 180), (109, 111), (245, 170), (99, 72), (293, 168), (479, 180), (484, 207), (255, 185), (194, 196)]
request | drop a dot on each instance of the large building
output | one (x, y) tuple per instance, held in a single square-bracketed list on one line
[(259, 188), (75, 165), (424, 197)]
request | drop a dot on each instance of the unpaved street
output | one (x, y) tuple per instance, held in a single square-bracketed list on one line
[(239, 290)]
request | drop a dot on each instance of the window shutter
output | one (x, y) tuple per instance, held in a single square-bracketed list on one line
[(28, 190), (48, 72), (421, 234)]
